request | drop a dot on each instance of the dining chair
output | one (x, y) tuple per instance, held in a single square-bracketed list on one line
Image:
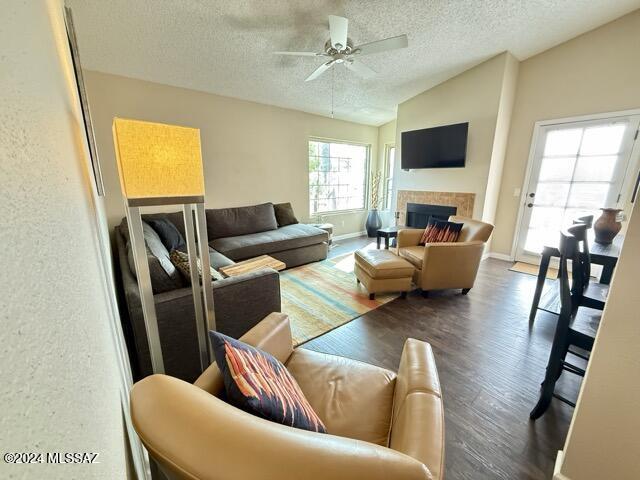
[(584, 291), (576, 327)]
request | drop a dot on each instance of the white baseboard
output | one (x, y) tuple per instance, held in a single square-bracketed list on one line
[(345, 236), (497, 256), (557, 474)]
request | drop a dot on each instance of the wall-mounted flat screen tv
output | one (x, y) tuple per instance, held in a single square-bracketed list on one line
[(438, 147)]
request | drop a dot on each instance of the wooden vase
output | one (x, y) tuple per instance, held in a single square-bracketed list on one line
[(607, 226)]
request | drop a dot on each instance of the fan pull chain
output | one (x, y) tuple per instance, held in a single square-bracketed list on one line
[(333, 81)]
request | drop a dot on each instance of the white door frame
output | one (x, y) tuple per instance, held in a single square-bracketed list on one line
[(532, 150)]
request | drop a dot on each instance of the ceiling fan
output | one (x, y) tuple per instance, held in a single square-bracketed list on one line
[(340, 49)]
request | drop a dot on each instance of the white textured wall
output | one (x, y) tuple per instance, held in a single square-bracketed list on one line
[(58, 367)]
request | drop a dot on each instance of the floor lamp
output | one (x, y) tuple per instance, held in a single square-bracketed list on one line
[(162, 165)]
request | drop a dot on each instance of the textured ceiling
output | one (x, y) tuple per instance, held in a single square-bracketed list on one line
[(224, 47)]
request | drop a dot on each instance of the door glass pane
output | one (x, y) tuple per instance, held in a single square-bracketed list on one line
[(603, 140), (592, 169), (588, 195), (563, 142), (557, 169), (539, 238), (552, 194), (546, 218)]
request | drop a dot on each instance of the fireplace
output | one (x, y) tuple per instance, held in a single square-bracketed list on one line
[(418, 214), (463, 202)]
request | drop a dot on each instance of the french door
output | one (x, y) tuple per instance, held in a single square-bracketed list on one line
[(577, 168)]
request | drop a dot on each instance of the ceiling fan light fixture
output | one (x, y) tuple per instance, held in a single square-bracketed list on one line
[(341, 48)]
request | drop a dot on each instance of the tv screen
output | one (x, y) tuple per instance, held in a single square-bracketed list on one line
[(438, 147)]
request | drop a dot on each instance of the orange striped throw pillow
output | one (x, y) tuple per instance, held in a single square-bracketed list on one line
[(441, 231), (260, 384)]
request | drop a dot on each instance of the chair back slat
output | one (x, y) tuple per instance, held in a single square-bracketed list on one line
[(582, 265)]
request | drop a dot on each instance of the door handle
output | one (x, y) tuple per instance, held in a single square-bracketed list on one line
[(532, 194), (529, 205)]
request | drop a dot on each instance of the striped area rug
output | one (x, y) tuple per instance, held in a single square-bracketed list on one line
[(321, 296)]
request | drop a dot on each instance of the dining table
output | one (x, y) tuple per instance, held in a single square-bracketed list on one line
[(604, 255)]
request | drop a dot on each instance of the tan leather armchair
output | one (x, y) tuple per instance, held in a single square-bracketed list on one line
[(381, 424), (448, 264)]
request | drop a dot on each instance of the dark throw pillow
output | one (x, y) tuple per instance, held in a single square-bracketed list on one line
[(284, 214), (258, 383), (168, 233), (441, 231)]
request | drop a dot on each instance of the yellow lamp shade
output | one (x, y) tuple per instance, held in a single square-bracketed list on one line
[(157, 161)]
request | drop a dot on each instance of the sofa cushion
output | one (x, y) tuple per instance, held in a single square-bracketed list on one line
[(231, 222), (353, 399), (414, 254), (257, 382), (217, 260), (264, 243), (284, 214), (164, 276)]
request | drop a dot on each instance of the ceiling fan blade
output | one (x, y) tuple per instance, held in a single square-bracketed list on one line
[(360, 69), (401, 41), (338, 31), (302, 54), (320, 70)]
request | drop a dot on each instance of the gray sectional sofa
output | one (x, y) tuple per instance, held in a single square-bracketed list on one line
[(234, 234)]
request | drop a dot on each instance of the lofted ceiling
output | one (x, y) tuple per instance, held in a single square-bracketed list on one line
[(224, 47)]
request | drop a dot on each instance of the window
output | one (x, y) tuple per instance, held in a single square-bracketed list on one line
[(337, 176), (389, 164)]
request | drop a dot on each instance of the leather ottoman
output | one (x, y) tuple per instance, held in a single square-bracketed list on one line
[(382, 271)]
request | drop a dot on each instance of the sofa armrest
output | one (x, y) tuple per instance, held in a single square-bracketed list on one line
[(418, 414), (193, 434), (272, 334), (409, 237), (240, 303)]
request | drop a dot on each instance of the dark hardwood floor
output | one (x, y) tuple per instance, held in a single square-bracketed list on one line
[(490, 363)]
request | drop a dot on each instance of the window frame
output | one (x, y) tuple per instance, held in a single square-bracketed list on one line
[(388, 175), (367, 175)]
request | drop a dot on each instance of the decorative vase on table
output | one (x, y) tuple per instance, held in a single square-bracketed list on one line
[(607, 226), (373, 223)]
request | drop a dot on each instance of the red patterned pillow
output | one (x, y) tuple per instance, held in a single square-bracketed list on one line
[(441, 231), (258, 383)]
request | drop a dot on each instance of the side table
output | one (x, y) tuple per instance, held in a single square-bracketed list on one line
[(386, 233), (327, 227)]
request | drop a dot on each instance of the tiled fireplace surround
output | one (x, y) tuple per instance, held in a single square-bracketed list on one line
[(463, 201)]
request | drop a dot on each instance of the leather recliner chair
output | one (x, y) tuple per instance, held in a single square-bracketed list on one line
[(448, 264), (380, 424)]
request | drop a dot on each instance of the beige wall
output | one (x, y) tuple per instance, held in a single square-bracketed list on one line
[(503, 124), (473, 96), (252, 153), (593, 73), (603, 440), (386, 136), (61, 382)]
